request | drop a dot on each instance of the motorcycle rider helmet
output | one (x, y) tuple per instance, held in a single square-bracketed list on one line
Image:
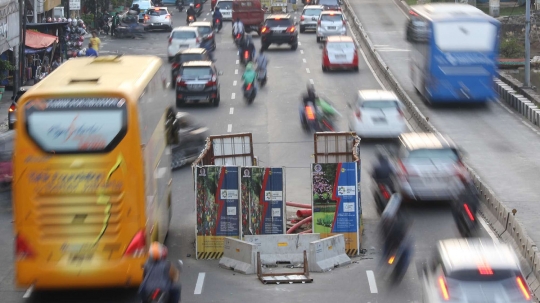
[(49, 20), (74, 22), (157, 251), (84, 26), (69, 20), (80, 22), (191, 5), (64, 20)]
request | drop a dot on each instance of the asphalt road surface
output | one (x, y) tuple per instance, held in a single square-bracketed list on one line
[(279, 141)]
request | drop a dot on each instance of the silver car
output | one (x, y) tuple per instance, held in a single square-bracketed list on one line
[(331, 23), (158, 18), (429, 167), (310, 16), (474, 270)]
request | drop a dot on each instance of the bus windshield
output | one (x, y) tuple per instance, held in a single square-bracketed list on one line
[(465, 36)]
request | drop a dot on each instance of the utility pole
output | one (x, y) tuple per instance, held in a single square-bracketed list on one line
[(68, 11), (22, 46), (527, 43)]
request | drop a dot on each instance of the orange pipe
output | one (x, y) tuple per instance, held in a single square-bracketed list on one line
[(309, 231), (295, 226), (299, 205), (302, 213)]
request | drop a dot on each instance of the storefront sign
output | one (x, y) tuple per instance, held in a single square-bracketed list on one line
[(74, 5)]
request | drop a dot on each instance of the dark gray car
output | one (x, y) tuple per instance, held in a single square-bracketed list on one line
[(191, 139)]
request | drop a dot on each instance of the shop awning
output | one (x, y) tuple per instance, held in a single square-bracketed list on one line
[(38, 40)]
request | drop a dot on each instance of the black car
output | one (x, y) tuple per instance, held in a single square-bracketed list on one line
[(190, 54), (279, 29), (196, 81), (190, 141), (12, 111), (207, 33)]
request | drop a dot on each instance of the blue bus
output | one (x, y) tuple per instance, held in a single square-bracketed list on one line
[(454, 52)]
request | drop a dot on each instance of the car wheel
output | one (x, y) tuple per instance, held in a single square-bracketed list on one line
[(171, 59), (180, 102), (356, 69), (294, 46), (216, 100), (324, 69), (302, 29), (318, 39), (265, 46)]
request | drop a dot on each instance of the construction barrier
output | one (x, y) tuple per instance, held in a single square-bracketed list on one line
[(328, 253), (282, 249), (239, 256)]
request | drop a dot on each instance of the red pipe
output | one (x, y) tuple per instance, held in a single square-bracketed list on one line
[(299, 205), (302, 213), (309, 231), (295, 226)]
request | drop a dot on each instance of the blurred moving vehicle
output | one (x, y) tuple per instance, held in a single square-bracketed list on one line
[(474, 270), (225, 7), (190, 54), (196, 81), (12, 111), (454, 50), (429, 167), (310, 17), (331, 23), (129, 27), (144, 5), (190, 141), (377, 114), (339, 52), (181, 38), (279, 29), (206, 31), (464, 210), (158, 18)]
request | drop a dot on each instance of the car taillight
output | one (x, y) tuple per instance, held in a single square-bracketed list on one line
[(12, 108), (263, 30), (358, 114), (291, 29), (180, 82), (310, 115), (302, 18), (384, 191), (444, 289), (343, 21), (137, 247), (210, 36), (146, 17), (23, 249), (212, 81), (461, 172), (170, 40), (524, 289), (401, 114), (468, 211), (198, 5), (175, 65), (168, 17)]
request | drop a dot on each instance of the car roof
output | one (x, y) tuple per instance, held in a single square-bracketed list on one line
[(331, 13), (446, 11), (463, 254), (201, 23), (279, 16), (194, 50), (376, 94), (160, 7), (197, 63), (339, 39), (413, 141), (225, 1), (185, 28), (313, 7)]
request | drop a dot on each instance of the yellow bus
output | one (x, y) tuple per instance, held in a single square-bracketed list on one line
[(92, 173)]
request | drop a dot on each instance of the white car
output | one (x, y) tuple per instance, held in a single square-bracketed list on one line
[(331, 23), (158, 18), (225, 7), (310, 17), (377, 114), (183, 37)]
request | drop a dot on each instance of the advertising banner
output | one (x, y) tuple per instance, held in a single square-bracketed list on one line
[(263, 196), (336, 208), (217, 203)]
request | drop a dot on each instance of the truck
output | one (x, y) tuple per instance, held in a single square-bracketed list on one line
[(250, 13)]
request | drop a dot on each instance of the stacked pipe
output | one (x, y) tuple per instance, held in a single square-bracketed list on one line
[(302, 223)]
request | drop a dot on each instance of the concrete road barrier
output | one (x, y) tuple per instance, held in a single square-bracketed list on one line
[(282, 248), (327, 253), (240, 256)]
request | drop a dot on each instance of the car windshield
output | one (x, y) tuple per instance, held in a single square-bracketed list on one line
[(379, 104), (201, 72), (329, 2), (312, 12), (331, 17), (191, 57), (340, 46), (203, 30), (159, 12), (184, 35), (278, 23), (439, 154), (227, 5), (143, 4)]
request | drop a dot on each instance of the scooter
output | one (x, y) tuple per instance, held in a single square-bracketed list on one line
[(312, 123), (398, 261), (249, 93), (464, 209), (180, 6), (160, 295), (217, 25), (261, 76), (190, 20)]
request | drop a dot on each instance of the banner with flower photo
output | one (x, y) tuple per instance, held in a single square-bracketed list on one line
[(336, 203), (217, 202), (263, 196)]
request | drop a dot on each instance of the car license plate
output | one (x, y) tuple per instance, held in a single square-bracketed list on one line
[(196, 86), (157, 24), (379, 120), (331, 27), (340, 56), (183, 45)]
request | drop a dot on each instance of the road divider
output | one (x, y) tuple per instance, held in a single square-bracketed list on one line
[(327, 254), (503, 221), (239, 256), (282, 249)]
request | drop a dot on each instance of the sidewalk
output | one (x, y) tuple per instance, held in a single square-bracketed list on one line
[(5, 103)]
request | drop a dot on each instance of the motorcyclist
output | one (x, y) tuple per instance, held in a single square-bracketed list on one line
[(209, 46), (394, 229), (159, 273), (247, 45), (382, 170), (191, 12), (310, 96), (136, 8), (217, 16), (249, 76), (238, 28), (262, 60)]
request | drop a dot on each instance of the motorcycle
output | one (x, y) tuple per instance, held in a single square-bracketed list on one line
[(261, 76), (180, 5), (191, 19), (217, 25), (249, 93), (311, 122), (247, 57), (160, 295), (397, 262), (464, 209), (382, 194), (238, 39)]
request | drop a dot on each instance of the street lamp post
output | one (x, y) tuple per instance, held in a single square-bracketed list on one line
[(527, 43)]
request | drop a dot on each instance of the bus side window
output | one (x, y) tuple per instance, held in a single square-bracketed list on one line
[(171, 127)]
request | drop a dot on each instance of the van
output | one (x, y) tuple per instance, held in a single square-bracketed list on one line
[(250, 13)]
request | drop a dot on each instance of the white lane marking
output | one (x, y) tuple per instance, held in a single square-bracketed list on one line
[(229, 128), (304, 60), (307, 70), (237, 61), (28, 292), (234, 83), (301, 51), (207, 14), (392, 50), (204, 19), (236, 72), (238, 53), (530, 127), (311, 81), (299, 43), (233, 96), (488, 229), (231, 111), (200, 281), (505, 107), (372, 282), (377, 45)]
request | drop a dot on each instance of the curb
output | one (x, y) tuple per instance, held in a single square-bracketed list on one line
[(502, 221)]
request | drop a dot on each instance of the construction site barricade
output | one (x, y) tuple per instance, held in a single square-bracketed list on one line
[(282, 249), (239, 256), (327, 253)]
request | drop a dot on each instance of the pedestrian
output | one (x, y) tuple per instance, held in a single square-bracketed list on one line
[(95, 41), (56, 63), (115, 22), (91, 52)]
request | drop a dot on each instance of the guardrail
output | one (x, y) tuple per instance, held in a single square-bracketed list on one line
[(495, 212)]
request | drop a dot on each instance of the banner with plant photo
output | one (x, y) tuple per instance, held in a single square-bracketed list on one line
[(217, 209), (262, 201), (336, 208)]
